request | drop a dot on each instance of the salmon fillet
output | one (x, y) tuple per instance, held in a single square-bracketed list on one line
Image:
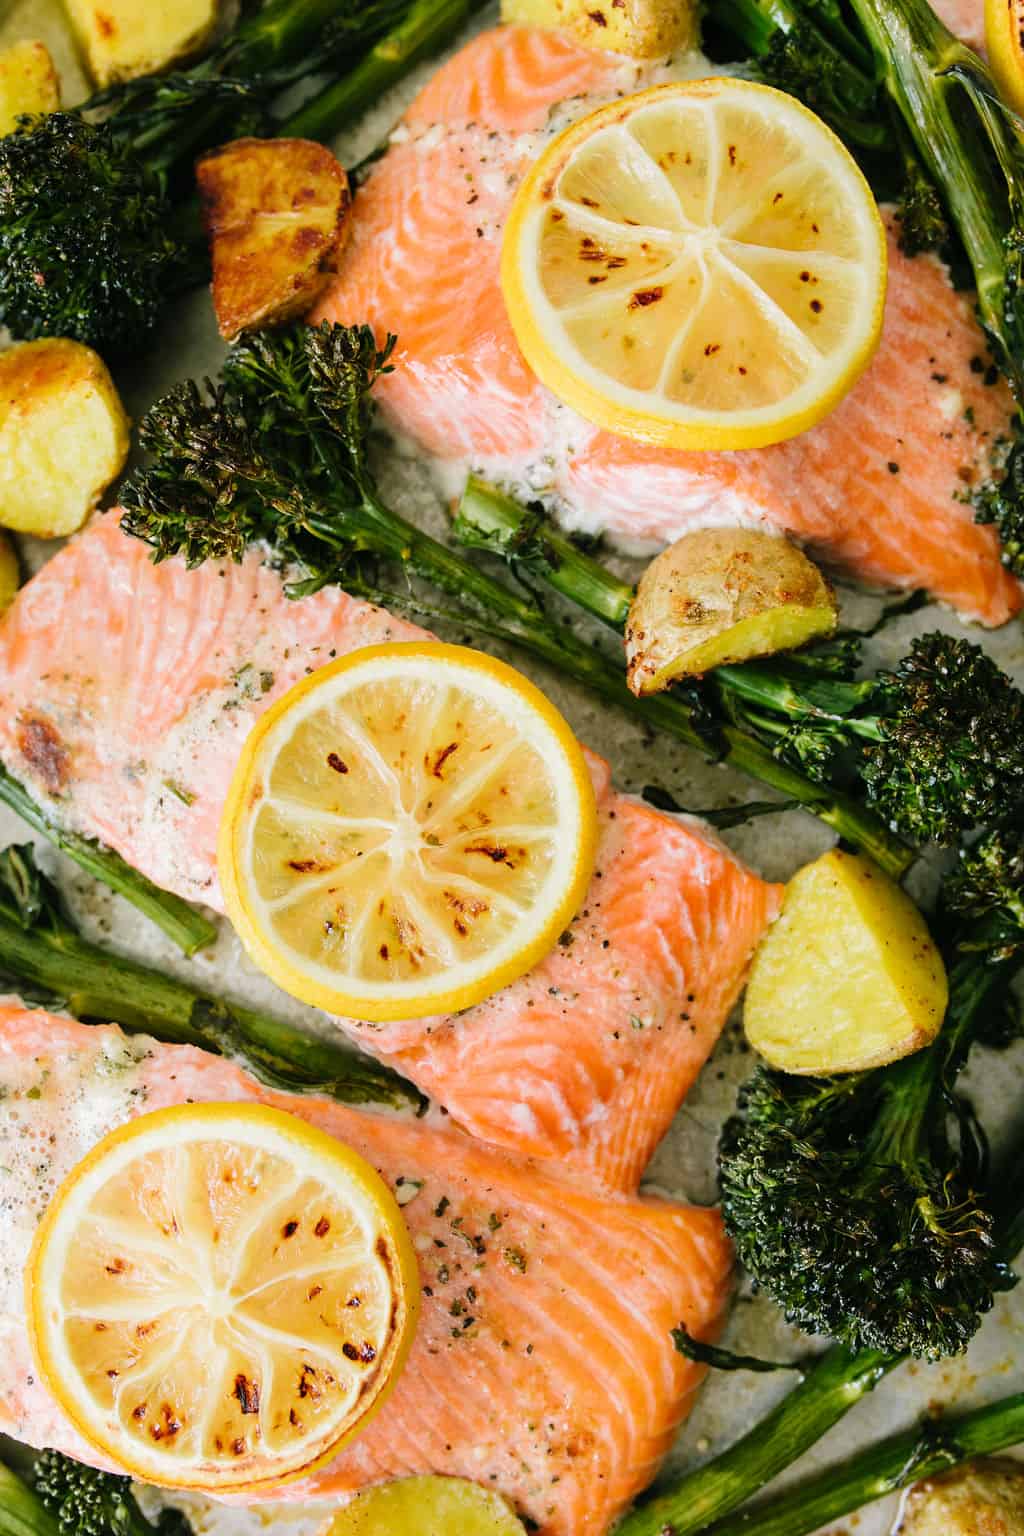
[(127, 689), (558, 1384), (878, 488)]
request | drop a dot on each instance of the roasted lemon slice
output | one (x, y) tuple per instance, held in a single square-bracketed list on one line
[(1004, 29), (425, 1506), (408, 830), (701, 265), (220, 1296)]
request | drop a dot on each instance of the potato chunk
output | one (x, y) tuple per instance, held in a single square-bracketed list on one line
[(275, 212), (120, 39), (425, 1506), (64, 436), (983, 1498), (28, 83), (10, 574), (721, 595), (644, 29), (848, 977)]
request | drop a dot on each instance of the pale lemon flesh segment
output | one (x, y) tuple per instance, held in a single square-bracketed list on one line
[(1004, 30), (701, 266), (848, 977), (220, 1296), (408, 830), (425, 1506)]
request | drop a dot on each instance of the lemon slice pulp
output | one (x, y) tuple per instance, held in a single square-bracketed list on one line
[(220, 1296), (408, 830), (425, 1506), (701, 265), (1004, 32)]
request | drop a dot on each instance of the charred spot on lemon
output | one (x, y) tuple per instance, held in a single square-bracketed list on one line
[(220, 1296), (408, 830), (1004, 31), (425, 1506), (848, 977), (698, 266)]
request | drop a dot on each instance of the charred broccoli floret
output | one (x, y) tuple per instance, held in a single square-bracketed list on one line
[(950, 753), (94, 266)]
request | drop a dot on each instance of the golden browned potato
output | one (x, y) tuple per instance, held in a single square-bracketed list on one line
[(275, 212), (983, 1498), (28, 83), (848, 976), (425, 1506), (63, 436), (645, 29), (10, 574), (721, 595), (120, 39)]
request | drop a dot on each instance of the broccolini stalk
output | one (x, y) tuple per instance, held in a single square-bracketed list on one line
[(184, 925), (278, 456), (935, 747), (95, 236), (22, 1513), (923, 1451), (43, 953)]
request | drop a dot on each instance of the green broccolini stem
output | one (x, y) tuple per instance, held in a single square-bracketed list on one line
[(491, 521), (879, 1470), (96, 984), (949, 104), (834, 1385), (184, 925), (425, 28), (21, 1512)]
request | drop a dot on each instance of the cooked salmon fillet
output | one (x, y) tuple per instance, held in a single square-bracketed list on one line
[(879, 488), (126, 691), (543, 1364)]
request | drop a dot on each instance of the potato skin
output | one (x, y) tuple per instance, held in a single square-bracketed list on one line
[(983, 1498), (120, 39), (848, 977), (276, 215), (643, 29), (721, 595), (10, 573), (28, 83), (64, 436)]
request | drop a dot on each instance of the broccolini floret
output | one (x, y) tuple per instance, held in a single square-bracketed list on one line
[(87, 1502)]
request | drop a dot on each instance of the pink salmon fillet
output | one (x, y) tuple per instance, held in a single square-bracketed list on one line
[(127, 691), (543, 1364), (879, 488)]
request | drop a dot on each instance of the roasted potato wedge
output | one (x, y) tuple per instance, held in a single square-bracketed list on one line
[(63, 436), (120, 39), (848, 977), (28, 83), (721, 595), (425, 1506), (983, 1498), (10, 573), (644, 29), (275, 212)]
